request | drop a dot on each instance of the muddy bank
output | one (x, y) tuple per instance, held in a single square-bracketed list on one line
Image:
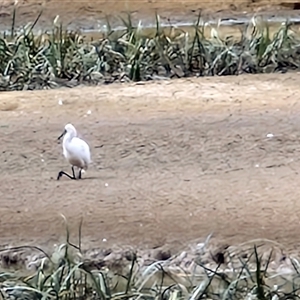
[(91, 16), (173, 168)]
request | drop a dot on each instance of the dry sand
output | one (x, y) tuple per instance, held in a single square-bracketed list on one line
[(173, 161)]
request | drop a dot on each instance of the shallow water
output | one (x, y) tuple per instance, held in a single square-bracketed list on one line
[(223, 30), (228, 24)]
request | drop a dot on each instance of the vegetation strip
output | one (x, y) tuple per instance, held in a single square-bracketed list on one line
[(254, 270), (60, 57)]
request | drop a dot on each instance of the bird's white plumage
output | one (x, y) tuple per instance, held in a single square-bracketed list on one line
[(75, 150)]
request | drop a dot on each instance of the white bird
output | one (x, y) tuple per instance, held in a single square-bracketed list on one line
[(76, 151)]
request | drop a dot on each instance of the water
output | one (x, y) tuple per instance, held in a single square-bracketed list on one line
[(225, 28)]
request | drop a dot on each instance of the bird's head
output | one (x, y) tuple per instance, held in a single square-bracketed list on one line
[(69, 128)]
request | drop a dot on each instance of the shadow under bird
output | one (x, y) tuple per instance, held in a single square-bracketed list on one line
[(76, 151)]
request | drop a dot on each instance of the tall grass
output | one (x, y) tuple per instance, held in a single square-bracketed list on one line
[(61, 57), (249, 271)]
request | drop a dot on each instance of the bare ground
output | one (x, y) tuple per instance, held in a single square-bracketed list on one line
[(91, 15), (173, 161)]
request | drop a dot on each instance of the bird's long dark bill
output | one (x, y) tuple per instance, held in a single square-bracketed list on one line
[(62, 135)]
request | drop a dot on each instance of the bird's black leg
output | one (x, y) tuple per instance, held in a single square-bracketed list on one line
[(74, 177), (79, 177), (61, 173)]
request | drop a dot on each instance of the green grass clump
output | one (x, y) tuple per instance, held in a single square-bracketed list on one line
[(242, 272), (61, 57)]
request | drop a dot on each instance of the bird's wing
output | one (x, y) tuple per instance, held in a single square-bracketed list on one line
[(81, 148)]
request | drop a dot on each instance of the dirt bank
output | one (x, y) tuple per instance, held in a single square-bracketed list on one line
[(91, 15), (172, 161)]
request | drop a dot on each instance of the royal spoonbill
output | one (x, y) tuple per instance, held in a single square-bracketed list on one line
[(76, 151)]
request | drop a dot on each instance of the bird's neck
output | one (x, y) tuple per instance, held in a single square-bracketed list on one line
[(68, 137)]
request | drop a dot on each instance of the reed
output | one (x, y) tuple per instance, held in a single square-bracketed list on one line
[(61, 57), (254, 270)]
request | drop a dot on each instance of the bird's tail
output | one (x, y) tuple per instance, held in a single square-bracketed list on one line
[(87, 166)]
